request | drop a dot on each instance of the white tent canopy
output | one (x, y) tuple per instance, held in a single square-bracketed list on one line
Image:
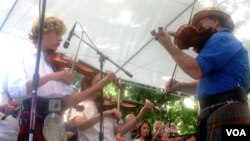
[(119, 29)]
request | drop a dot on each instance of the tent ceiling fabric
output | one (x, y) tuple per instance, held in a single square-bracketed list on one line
[(119, 28)]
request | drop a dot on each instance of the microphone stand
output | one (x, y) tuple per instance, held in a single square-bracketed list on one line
[(102, 58), (36, 76)]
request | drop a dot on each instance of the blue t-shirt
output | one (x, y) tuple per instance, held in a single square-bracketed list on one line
[(224, 64)]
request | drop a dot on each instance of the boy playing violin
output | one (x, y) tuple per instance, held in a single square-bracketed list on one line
[(51, 85)]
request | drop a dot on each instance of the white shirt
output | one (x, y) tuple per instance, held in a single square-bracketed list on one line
[(4, 80), (23, 68), (9, 127), (92, 133)]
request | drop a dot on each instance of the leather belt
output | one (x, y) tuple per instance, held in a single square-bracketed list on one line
[(44, 104), (236, 94)]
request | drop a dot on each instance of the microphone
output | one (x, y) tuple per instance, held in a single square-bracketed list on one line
[(71, 33)]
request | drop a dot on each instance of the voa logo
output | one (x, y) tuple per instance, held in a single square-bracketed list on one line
[(236, 132)]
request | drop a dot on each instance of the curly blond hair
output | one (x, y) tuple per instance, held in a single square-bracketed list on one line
[(51, 24)]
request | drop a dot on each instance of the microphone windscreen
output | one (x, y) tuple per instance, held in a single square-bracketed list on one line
[(66, 44)]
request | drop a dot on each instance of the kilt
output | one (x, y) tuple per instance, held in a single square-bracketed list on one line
[(42, 110), (24, 127), (212, 118)]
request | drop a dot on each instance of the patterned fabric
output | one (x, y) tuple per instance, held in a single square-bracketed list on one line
[(42, 111), (211, 119), (24, 128)]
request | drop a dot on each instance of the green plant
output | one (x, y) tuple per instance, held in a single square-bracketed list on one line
[(169, 109)]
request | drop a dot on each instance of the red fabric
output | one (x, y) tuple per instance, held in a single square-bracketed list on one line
[(42, 112), (24, 128)]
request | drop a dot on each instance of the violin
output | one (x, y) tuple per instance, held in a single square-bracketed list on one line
[(109, 104), (60, 61), (125, 104), (190, 36)]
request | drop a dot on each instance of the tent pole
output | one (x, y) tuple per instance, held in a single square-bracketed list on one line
[(8, 15), (154, 38)]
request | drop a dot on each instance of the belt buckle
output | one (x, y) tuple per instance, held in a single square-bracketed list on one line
[(55, 105), (230, 101)]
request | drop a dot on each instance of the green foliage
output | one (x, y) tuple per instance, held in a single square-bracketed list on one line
[(169, 109)]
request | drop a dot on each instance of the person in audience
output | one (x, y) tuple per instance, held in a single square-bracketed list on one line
[(157, 126), (145, 132), (131, 134), (170, 133), (131, 123)]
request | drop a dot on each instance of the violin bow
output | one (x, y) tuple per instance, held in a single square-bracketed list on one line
[(158, 131), (77, 51), (121, 88), (175, 68), (152, 39), (10, 99), (8, 114), (119, 96)]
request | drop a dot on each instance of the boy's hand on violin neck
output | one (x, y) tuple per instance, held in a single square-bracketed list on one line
[(64, 76)]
